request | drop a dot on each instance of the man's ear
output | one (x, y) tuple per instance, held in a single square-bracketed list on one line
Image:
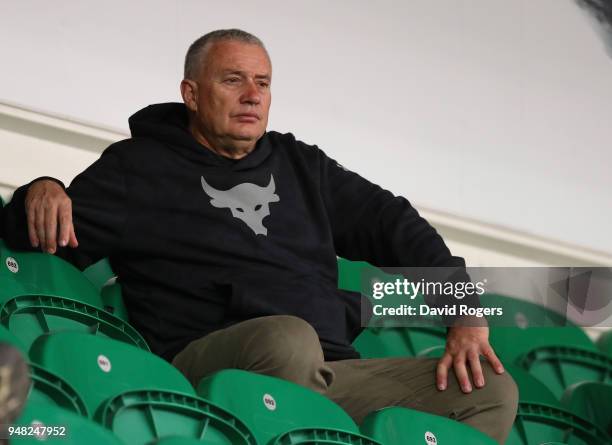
[(189, 91)]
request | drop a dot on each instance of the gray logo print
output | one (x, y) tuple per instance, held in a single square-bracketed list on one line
[(248, 202)]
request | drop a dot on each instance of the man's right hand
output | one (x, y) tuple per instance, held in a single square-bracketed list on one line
[(49, 212)]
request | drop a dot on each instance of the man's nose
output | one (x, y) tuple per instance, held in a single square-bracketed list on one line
[(250, 94)]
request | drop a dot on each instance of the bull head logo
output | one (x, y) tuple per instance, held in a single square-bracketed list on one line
[(248, 202)]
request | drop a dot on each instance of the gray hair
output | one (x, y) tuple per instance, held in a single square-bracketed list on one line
[(196, 54)]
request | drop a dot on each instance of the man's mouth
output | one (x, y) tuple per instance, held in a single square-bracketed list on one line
[(247, 117)]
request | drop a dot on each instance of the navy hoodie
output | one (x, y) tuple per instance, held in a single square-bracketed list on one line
[(200, 242)]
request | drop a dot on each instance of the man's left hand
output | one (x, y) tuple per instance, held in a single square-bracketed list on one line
[(464, 345)]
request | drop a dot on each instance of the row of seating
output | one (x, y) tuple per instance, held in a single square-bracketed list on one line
[(142, 399), (53, 310)]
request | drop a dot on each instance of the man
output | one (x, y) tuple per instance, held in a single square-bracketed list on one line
[(225, 236)]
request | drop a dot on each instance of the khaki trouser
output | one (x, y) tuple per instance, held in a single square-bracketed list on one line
[(288, 347)]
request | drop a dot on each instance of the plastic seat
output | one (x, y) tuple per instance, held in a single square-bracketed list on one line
[(398, 342), (8, 337), (526, 325), (541, 419), (49, 388), (112, 299), (400, 426), (604, 343), (77, 430), (99, 273), (99, 368), (531, 389), (158, 417), (30, 316), (538, 424), (32, 273), (349, 274), (558, 367), (280, 412), (592, 401)]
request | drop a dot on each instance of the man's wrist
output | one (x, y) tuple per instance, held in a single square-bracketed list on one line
[(48, 178)]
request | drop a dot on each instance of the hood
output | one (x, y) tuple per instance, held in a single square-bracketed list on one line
[(168, 123)]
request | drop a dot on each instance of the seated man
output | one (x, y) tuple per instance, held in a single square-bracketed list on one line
[(224, 238)]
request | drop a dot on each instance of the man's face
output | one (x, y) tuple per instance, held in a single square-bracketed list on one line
[(233, 96)]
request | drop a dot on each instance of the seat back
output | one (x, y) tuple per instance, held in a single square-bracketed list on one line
[(112, 299), (592, 401), (604, 343), (165, 417), (558, 367), (399, 426), (540, 423), (277, 410), (50, 388), (100, 368), (99, 273), (525, 325), (398, 341), (33, 273), (31, 316)]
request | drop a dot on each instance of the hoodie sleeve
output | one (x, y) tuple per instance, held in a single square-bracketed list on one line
[(99, 212), (371, 224)]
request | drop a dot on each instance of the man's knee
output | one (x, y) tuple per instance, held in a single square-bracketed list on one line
[(281, 341), (502, 387)]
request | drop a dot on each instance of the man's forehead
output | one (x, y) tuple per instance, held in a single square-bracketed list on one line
[(231, 56)]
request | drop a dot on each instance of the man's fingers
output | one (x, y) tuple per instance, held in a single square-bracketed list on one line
[(461, 373), (476, 369), (65, 227), (72, 241), (39, 224), (490, 355), (31, 214), (51, 228), (442, 371)]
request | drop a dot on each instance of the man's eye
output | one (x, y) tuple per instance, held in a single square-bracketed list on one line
[(232, 80), (264, 84)]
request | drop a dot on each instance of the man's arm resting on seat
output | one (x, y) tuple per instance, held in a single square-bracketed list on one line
[(372, 224), (44, 215), (43, 208)]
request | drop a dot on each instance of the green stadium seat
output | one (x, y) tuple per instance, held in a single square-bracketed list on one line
[(77, 430), (531, 389), (558, 367), (538, 424), (349, 274), (541, 419), (99, 273), (591, 401), (8, 337), (49, 388), (33, 273), (99, 368), (158, 417), (398, 342), (112, 299), (526, 325), (433, 352), (400, 426), (31, 316), (280, 412), (604, 343)]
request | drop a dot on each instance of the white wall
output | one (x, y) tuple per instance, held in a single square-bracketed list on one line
[(493, 110)]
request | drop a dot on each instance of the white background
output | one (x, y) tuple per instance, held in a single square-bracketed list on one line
[(496, 110)]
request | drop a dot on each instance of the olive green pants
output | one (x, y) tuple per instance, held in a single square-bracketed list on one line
[(288, 347)]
